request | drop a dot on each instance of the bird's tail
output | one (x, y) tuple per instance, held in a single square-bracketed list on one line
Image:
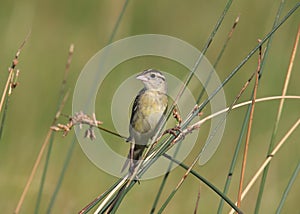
[(134, 155)]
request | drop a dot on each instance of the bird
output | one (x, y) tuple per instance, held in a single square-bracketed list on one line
[(147, 113), (148, 109)]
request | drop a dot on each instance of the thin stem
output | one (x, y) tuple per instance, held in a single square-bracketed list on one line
[(264, 176), (39, 157), (275, 128), (268, 160), (117, 24), (218, 58), (246, 117), (58, 185), (39, 198), (88, 207), (164, 181), (11, 70), (197, 200), (288, 188), (206, 182), (249, 131), (61, 99)]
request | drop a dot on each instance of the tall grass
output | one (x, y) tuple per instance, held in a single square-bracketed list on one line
[(41, 194)]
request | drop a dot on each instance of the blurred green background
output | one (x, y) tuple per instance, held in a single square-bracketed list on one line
[(56, 24)]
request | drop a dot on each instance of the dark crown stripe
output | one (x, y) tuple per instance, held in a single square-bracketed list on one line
[(160, 75)]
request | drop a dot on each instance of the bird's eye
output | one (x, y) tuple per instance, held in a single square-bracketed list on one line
[(152, 75)]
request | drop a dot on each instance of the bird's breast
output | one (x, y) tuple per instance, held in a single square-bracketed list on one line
[(152, 107)]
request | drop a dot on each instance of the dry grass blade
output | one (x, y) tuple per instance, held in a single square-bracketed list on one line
[(233, 27), (277, 122), (111, 194), (39, 157), (197, 201), (79, 118), (11, 71), (199, 123), (268, 159), (249, 130), (288, 75), (67, 69), (270, 156), (47, 138)]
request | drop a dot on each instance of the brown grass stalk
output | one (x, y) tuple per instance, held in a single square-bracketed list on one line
[(288, 75), (197, 200), (249, 131), (47, 138), (14, 63), (39, 157), (284, 90), (267, 161)]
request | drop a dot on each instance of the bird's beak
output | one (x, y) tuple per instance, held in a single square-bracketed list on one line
[(141, 77)]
